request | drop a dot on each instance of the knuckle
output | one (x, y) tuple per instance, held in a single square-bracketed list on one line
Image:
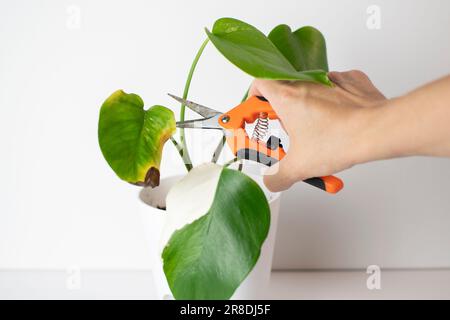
[(289, 92), (285, 94), (256, 84), (357, 74)]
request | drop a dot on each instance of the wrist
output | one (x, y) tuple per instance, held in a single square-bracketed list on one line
[(374, 133)]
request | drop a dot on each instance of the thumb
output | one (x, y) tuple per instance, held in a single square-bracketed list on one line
[(280, 176)]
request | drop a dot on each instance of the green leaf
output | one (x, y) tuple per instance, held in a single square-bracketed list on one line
[(221, 218), (132, 139), (251, 51), (305, 48)]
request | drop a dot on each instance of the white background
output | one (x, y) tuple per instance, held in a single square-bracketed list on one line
[(61, 205)]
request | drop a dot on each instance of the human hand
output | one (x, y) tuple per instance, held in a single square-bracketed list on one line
[(322, 123)]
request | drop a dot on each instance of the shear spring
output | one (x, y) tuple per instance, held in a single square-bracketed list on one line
[(261, 127)]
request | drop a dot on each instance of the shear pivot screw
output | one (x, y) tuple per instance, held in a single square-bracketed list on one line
[(225, 119)]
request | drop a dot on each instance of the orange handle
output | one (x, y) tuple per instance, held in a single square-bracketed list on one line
[(247, 112), (243, 147)]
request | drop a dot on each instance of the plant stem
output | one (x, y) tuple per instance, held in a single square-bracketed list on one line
[(241, 165), (229, 163), (245, 96), (185, 153), (218, 150), (180, 151)]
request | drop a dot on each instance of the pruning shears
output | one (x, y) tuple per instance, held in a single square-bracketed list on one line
[(252, 148)]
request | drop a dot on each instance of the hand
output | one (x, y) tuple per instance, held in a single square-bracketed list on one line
[(322, 122)]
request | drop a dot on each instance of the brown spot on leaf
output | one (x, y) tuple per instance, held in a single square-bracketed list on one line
[(152, 178)]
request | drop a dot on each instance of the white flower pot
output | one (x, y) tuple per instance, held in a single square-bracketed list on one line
[(256, 284)]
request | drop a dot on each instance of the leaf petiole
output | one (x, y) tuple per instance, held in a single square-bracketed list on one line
[(180, 151), (229, 163), (185, 153)]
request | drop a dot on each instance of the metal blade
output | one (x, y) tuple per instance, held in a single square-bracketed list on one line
[(198, 108), (208, 123)]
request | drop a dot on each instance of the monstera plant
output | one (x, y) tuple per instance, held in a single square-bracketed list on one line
[(210, 244)]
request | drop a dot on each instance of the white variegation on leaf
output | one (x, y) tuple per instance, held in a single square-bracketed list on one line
[(190, 199), (217, 221)]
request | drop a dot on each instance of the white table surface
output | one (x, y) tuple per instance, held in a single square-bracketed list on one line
[(132, 284)]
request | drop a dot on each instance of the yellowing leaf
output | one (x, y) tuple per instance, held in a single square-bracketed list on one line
[(132, 139)]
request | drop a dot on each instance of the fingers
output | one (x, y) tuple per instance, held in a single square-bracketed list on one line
[(271, 90), (356, 82), (280, 176), (347, 78)]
